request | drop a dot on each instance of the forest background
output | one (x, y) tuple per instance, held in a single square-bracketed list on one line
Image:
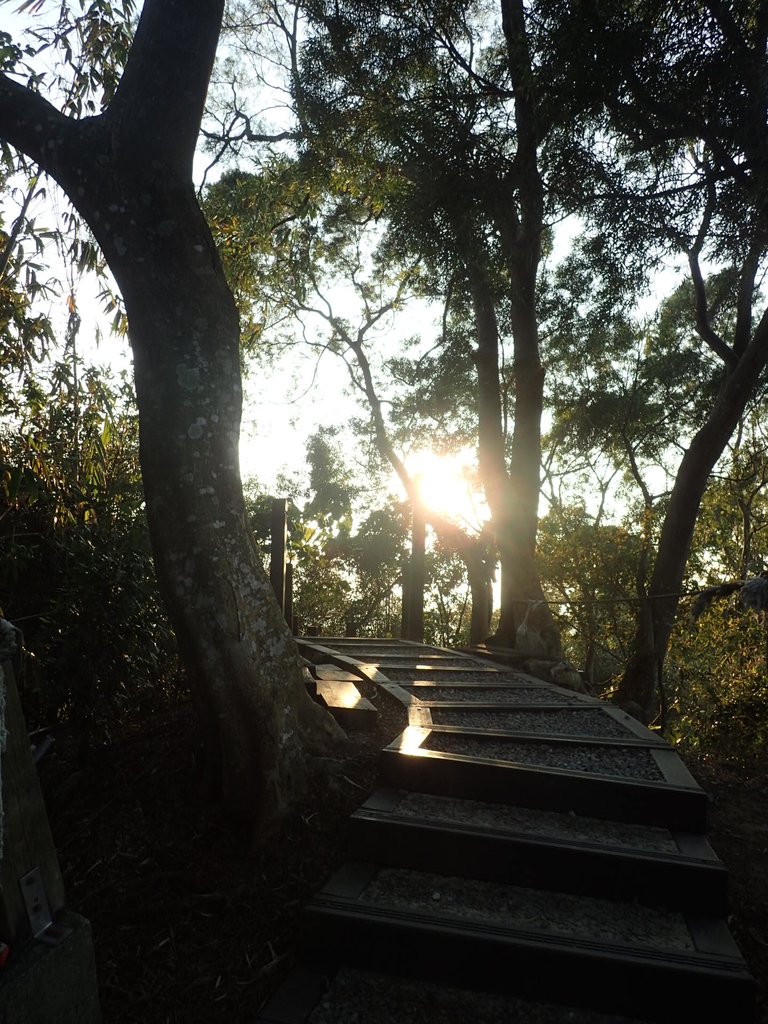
[(392, 193)]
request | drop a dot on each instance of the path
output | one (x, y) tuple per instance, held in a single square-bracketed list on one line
[(532, 855)]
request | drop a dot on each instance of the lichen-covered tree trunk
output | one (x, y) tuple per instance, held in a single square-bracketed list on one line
[(516, 521), (129, 173), (259, 724)]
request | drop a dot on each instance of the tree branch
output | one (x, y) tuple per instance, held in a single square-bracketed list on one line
[(746, 296), (704, 327), (31, 124), (159, 103)]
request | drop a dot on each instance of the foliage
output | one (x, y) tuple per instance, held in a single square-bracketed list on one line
[(25, 333), (623, 391), (80, 49), (433, 392), (732, 531), (447, 600), (590, 567), (717, 676), (348, 568), (258, 220), (77, 572), (717, 681), (343, 577), (74, 55), (343, 580)]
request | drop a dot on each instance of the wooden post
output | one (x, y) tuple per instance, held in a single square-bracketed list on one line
[(405, 586), (27, 840), (288, 604), (279, 528), (417, 577)]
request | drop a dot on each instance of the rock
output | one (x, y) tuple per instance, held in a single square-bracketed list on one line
[(566, 675), (561, 673)]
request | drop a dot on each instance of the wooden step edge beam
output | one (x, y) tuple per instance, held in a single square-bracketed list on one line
[(608, 978), (609, 797), (610, 872), (347, 705)]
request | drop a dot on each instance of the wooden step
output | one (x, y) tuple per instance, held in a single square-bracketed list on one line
[(674, 801), (527, 847), (309, 996), (600, 721), (528, 843), (613, 957), (423, 672), (347, 705), (522, 691)]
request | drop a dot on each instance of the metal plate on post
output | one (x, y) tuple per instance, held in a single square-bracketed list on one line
[(36, 902)]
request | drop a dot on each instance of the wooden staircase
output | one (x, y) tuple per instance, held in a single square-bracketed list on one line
[(531, 852)]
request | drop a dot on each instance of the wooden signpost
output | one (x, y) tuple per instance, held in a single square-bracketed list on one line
[(27, 840), (48, 972)]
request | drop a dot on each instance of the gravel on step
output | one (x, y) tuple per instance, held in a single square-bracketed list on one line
[(494, 694), (532, 821), (554, 913), (468, 675), (570, 722), (409, 663), (363, 997), (625, 761), (382, 650)]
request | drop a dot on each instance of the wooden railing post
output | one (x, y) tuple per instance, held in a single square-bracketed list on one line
[(288, 603), (277, 566), (406, 590)]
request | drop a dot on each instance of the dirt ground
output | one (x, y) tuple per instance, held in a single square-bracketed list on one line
[(190, 925), (738, 819)]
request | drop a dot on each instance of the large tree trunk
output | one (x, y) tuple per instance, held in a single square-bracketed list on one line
[(259, 724), (128, 172), (639, 687), (512, 495)]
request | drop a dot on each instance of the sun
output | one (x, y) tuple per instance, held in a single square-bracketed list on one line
[(447, 484)]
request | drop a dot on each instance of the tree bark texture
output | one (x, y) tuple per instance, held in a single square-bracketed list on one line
[(512, 494), (639, 685), (128, 173)]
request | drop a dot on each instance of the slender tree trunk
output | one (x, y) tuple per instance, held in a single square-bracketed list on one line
[(521, 590), (471, 550), (519, 216), (639, 687), (481, 593)]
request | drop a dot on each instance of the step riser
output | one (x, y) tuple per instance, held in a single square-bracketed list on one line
[(619, 800), (537, 864), (603, 980)]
